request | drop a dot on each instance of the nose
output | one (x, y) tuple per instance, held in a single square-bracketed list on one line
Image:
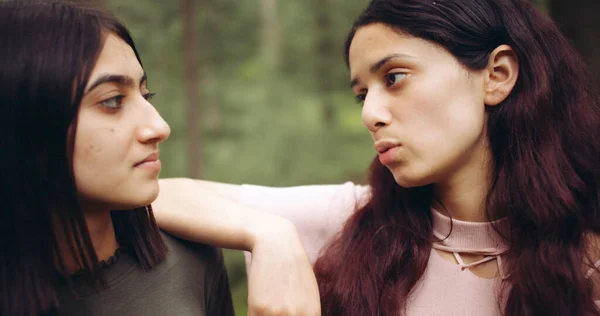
[(375, 112), (153, 129)]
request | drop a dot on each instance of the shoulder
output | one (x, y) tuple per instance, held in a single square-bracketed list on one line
[(204, 266), (184, 249), (201, 260), (185, 283)]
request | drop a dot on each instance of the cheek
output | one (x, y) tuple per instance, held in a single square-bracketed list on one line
[(87, 159), (446, 121), (94, 144), (98, 155)]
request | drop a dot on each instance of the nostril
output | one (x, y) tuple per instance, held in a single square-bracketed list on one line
[(379, 124)]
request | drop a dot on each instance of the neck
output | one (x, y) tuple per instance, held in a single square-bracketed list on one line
[(463, 202), (463, 196), (102, 234)]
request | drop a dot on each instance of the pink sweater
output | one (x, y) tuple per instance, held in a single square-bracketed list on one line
[(446, 288)]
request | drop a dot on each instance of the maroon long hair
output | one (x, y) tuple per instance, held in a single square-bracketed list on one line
[(545, 140)]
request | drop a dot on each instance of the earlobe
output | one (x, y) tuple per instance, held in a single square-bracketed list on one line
[(503, 71)]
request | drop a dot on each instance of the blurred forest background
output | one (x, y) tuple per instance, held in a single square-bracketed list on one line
[(256, 91)]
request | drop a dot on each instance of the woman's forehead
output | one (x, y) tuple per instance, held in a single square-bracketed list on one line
[(117, 58), (374, 43)]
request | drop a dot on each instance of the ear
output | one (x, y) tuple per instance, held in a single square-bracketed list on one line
[(502, 72)]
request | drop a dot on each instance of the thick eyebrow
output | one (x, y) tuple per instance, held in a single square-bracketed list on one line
[(118, 79), (378, 65)]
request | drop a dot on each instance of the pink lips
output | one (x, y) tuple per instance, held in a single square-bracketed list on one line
[(387, 151), (151, 162)]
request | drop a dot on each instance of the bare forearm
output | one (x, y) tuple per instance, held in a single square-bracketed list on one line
[(280, 280), (209, 212)]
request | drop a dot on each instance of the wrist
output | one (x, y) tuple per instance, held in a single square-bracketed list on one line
[(272, 229)]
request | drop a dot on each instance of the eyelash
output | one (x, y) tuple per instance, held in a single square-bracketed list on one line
[(148, 96), (119, 99), (392, 74), (360, 98)]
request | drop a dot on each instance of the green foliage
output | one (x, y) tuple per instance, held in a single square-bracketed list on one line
[(257, 126), (261, 121)]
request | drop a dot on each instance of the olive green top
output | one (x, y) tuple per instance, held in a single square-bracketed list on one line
[(192, 281)]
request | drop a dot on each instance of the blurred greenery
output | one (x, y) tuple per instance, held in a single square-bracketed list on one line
[(260, 79), (273, 102)]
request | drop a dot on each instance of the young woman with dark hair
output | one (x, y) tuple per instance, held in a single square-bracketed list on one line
[(484, 198), (80, 141), (80, 169)]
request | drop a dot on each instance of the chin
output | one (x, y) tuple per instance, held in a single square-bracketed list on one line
[(130, 205), (140, 199), (407, 179), (147, 200)]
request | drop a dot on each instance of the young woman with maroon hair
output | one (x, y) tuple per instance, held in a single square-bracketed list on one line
[(484, 197)]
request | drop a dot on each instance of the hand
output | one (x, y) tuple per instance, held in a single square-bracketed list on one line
[(280, 278)]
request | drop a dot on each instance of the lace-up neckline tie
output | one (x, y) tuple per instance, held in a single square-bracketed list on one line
[(474, 238)]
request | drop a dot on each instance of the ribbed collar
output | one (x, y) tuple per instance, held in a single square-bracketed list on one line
[(469, 237)]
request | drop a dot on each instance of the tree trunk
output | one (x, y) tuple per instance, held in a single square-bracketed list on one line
[(271, 41), (324, 49), (579, 21), (212, 119), (191, 88), (210, 60)]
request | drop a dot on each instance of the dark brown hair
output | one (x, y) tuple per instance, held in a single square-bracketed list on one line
[(545, 146), (47, 52)]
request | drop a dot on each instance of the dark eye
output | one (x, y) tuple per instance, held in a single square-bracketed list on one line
[(149, 96), (393, 78), (360, 98), (113, 103)]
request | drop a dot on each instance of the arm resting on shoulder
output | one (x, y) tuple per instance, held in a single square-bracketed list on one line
[(209, 212), (281, 282)]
